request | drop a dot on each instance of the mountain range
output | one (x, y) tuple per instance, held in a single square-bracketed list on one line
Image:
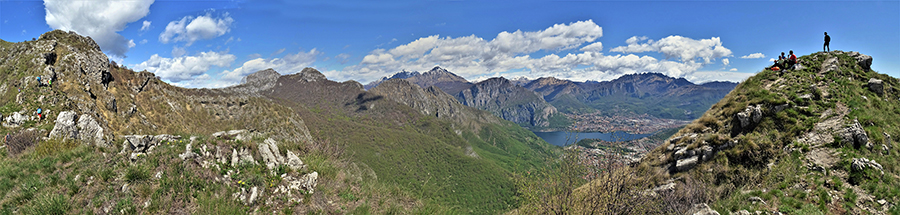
[(534, 103)]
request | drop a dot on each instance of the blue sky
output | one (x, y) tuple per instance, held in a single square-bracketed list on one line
[(216, 43)]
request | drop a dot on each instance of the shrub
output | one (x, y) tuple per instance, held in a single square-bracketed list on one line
[(18, 142)]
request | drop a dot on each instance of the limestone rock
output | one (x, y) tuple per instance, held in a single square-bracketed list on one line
[(308, 181), (246, 157), (860, 164), (311, 75), (188, 154), (234, 158), (862, 60), (65, 126), (254, 193), (756, 199), (90, 131), (876, 85), (701, 209), (686, 164), (268, 157), (854, 134), (294, 162), (749, 117), (273, 146)]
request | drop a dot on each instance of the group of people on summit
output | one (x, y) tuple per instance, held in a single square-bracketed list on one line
[(790, 61)]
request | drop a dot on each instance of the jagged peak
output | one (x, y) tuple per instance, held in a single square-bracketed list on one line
[(71, 38), (311, 74), (438, 71), (266, 75)]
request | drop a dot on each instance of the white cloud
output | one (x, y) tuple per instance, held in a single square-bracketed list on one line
[(131, 44), (144, 41), (753, 56), (190, 29), (344, 57), (99, 19), (725, 61), (279, 51), (290, 63), (178, 51), (596, 47), (733, 70), (184, 68), (771, 59), (472, 55), (513, 54), (145, 26), (675, 46), (705, 76)]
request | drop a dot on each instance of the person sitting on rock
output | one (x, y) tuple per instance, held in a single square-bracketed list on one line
[(39, 113), (792, 60)]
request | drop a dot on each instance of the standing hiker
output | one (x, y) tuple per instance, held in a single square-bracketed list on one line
[(39, 113), (827, 40)]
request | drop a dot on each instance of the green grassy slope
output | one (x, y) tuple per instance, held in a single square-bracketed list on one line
[(460, 167), (776, 159)]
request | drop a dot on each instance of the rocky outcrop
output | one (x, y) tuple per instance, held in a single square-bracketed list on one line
[(701, 209), (311, 75), (137, 145), (855, 135), (510, 102), (271, 156), (85, 129), (431, 101), (861, 164), (65, 126), (747, 119), (876, 85), (253, 84), (864, 61), (15, 119)]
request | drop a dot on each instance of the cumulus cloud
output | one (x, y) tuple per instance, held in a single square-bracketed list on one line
[(190, 29), (99, 19), (471, 55), (595, 47), (145, 26), (753, 56), (733, 69), (513, 54), (184, 68), (290, 63), (675, 46), (725, 61)]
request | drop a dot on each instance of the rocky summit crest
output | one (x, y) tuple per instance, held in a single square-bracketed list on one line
[(828, 119)]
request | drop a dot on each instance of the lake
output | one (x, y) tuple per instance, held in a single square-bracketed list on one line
[(559, 137)]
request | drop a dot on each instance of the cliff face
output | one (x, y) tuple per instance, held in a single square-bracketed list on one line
[(510, 102), (650, 93)]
